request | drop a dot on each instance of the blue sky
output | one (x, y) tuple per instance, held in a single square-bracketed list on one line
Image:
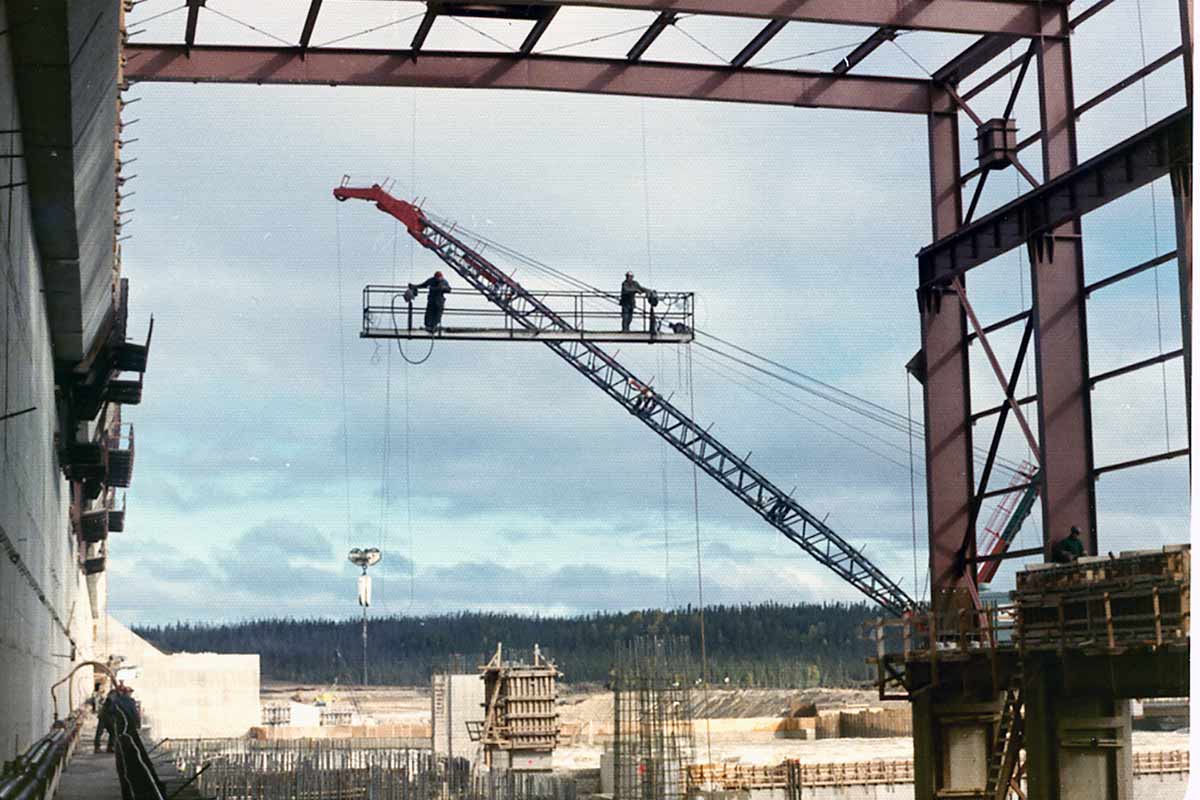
[(511, 483)]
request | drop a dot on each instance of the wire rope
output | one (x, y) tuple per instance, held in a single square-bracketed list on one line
[(268, 34), (371, 30), (1154, 219), (160, 14), (342, 359), (702, 45), (735, 377), (691, 385), (484, 34), (662, 444)]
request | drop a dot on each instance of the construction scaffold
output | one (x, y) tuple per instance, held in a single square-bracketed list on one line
[(652, 718)]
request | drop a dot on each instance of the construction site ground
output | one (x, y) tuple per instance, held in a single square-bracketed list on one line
[(387, 705)]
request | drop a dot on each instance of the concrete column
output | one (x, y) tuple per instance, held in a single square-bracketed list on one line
[(1076, 747), (952, 741)]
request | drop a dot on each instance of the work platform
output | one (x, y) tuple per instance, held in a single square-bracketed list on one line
[(574, 317), (1039, 688)]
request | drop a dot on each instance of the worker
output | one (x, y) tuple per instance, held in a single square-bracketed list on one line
[(629, 292), (104, 721), (438, 288), (1069, 548), (129, 707)]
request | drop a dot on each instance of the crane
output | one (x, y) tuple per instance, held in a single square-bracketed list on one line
[(637, 397)]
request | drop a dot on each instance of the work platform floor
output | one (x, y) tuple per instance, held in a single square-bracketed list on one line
[(93, 776), (523, 335)]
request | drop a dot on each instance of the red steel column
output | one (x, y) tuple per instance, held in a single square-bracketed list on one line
[(1060, 320), (948, 463), (1181, 186)]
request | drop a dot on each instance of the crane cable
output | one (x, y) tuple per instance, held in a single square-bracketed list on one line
[(412, 255), (1154, 219), (342, 358), (892, 419), (691, 386), (662, 444)]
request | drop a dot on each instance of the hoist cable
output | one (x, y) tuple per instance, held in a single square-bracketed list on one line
[(737, 378), (662, 444), (342, 358), (691, 385), (1154, 219)]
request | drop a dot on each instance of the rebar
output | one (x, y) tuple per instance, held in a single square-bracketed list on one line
[(350, 769), (652, 723)]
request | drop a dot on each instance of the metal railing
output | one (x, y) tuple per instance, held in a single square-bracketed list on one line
[(34, 774), (385, 310)]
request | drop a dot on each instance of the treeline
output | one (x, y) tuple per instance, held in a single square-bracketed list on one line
[(768, 645)]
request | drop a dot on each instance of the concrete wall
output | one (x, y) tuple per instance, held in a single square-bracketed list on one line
[(456, 699), (34, 650), (189, 695)]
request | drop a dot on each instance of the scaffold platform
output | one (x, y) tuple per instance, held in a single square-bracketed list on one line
[(582, 317)]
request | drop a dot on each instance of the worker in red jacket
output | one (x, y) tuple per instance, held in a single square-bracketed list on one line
[(438, 288)]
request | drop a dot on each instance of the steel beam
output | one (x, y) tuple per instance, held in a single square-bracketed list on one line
[(422, 32), (974, 58), (193, 14), (949, 462), (759, 41), (1060, 323), (652, 32), (869, 45), (349, 67), (1181, 188), (310, 23), (1019, 18), (1146, 156), (539, 28)]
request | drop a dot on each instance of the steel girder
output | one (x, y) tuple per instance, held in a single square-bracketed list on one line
[(1142, 158), (350, 67), (1014, 17)]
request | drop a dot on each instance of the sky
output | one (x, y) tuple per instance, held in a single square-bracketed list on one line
[(271, 438)]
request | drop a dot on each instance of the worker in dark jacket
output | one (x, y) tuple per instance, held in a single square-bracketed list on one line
[(104, 721), (629, 292), (1069, 548), (438, 288), (129, 707)]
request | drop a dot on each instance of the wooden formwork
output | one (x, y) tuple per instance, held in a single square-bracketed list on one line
[(1136, 600), (792, 773), (520, 704)]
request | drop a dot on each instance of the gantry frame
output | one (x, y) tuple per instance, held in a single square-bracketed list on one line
[(1046, 218)]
